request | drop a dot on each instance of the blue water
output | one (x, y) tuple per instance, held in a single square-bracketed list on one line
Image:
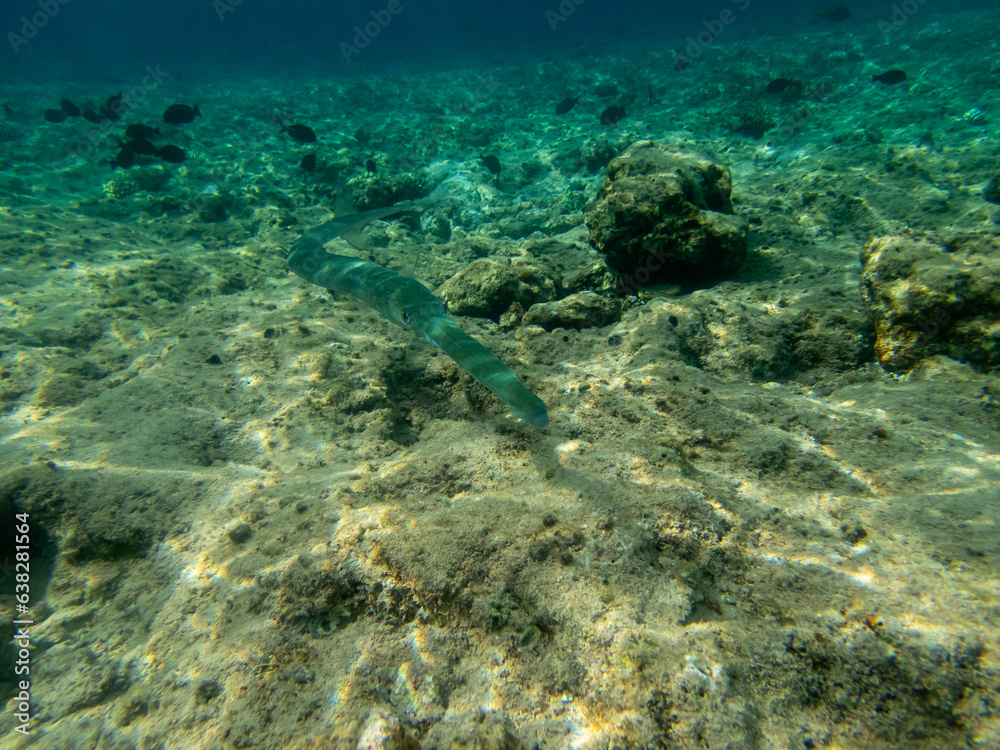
[(259, 512), (90, 37)]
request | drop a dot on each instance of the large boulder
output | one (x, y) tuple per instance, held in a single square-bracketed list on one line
[(928, 298), (665, 215)]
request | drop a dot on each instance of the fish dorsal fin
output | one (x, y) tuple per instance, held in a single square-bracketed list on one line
[(355, 237), (353, 231), (350, 225), (342, 205), (344, 209)]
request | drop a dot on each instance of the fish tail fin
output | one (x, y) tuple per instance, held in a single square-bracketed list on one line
[(197, 112)]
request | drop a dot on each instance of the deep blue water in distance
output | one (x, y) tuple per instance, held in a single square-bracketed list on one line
[(89, 37)]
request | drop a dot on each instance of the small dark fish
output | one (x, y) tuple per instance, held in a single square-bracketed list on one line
[(890, 77), (54, 115), (91, 116), (111, 107), (181, 114), (69, 108), (141, 146), (109, 114), (612, 115), (491, 163), (172, 154), (141, 131), (371, 167), (566, 105), (299, 132), (836, 13), (680, 61), (778, 85), (124, 159), (308, 162)]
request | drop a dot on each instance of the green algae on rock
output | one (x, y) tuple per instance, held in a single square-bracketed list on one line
[(665, 215), (584, 310), (120, 186), (488, 288), (930, 299)]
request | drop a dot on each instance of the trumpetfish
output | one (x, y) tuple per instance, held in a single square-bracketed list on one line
[(407, 303)]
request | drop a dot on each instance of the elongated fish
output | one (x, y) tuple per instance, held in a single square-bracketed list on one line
[(409, 304)]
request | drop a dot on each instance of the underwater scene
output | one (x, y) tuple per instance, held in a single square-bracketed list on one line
[(540, 375)]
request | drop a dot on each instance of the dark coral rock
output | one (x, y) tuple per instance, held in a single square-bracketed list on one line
[(665, 215), (595, 154), (596, 277), (212, 209), (385, 190), (929, 299), (992, 190), (752, 119)]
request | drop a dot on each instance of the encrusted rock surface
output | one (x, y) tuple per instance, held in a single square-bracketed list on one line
[(665, 215), (487, 288), (584, 310), (929, 298)]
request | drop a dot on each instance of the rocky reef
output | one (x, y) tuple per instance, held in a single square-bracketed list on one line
[(930, 297), (666, 215)]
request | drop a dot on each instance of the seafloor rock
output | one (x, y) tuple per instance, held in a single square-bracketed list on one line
[(383, 731), (992, 190), (584, 310), (212, 209), (120, 186), (932, 299), (488, 288), (664, 215), (482, 731), (374, 192), (596, 277), (73, 677), (595, 154), (748, 339)]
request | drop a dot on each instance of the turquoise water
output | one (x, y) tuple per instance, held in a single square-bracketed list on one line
[(763, 512)]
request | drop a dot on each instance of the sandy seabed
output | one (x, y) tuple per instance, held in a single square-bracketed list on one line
[(263, 518)]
